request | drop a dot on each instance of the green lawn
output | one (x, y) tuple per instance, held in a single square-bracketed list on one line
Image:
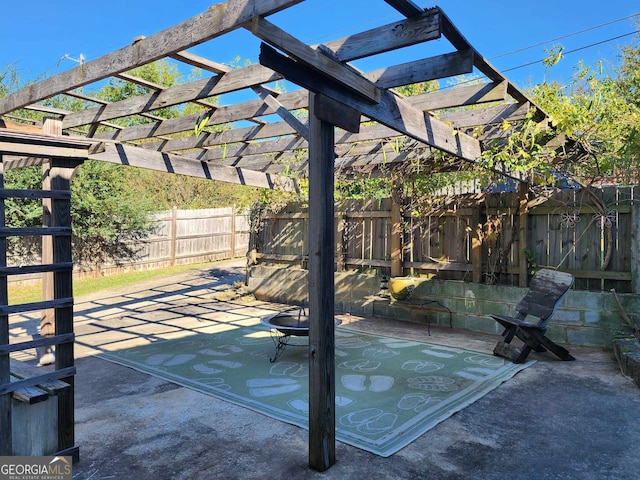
[(28, 294)]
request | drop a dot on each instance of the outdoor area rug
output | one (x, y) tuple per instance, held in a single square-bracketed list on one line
[(388, 391)]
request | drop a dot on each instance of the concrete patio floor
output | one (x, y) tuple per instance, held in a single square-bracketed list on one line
[(554, 420)]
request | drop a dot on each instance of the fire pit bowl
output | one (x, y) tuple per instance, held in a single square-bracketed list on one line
[(285, 325), (288, 323)]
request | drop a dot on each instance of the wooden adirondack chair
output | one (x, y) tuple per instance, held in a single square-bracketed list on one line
[(546, 290)]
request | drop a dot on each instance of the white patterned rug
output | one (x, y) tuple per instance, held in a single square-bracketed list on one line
[(388, 391)]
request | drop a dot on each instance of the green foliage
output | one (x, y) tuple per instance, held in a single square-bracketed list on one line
[(522, 150), (532, 260), (168, 191), (554, 56), (9, 80), (107, 216), (595, 111), (22, 212), (363, 188), (598, 110)]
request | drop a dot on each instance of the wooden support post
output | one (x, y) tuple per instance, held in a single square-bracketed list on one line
[(523, 271), (51, 126), (174, 235), (233, 233), (62, 171), (635, 247), (6, 431), (476, 245), (341, 263), (322, 448), (396, 229)]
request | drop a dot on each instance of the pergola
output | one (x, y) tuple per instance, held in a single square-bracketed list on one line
[(333, 117)]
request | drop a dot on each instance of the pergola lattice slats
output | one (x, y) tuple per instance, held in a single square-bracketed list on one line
[(256, 147)]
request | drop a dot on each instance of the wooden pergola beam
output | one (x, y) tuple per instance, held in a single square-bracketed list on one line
[(282, 111), (460, 96), (419, 29), (165, 162), (391, 111), (313, 58), (32, 145), (442, 66), (251, 76), (436, 67), (405, 7), (487, 116), (216, 21)]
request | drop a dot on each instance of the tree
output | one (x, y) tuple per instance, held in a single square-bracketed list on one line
[(593, 110), (108, 218)]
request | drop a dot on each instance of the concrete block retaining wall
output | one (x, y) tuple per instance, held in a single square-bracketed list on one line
[(583, 318)]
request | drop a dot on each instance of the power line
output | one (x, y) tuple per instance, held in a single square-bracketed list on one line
[(572, 51), (565, 36)]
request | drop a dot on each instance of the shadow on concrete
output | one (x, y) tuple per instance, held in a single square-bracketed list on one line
[(554, 420)]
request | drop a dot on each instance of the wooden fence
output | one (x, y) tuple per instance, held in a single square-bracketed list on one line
[(488, 238), (181, 237), (192, 236)]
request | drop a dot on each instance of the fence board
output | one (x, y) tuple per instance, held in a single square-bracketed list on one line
[(199, 236), (551, 237)]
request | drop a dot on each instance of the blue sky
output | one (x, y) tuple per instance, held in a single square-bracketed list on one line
[(36, 34)]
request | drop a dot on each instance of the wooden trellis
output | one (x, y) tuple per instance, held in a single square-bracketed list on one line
[(62, 156)]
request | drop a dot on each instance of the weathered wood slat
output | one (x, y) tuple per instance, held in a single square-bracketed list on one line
[(200, 62), (23, 127), (460, 96), (270, 100), (29, 395), (487, 116), (391, 111), (140, 157), (12, 162), (247, 149), (422, 28), (228, 82), (24, 371), (29, 269), (42, 150), (37, 342), (322, 64), (11, 193), (281, 257), (217, 20), (39, 380), (443, 66), (33, 306), (34, 231)]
